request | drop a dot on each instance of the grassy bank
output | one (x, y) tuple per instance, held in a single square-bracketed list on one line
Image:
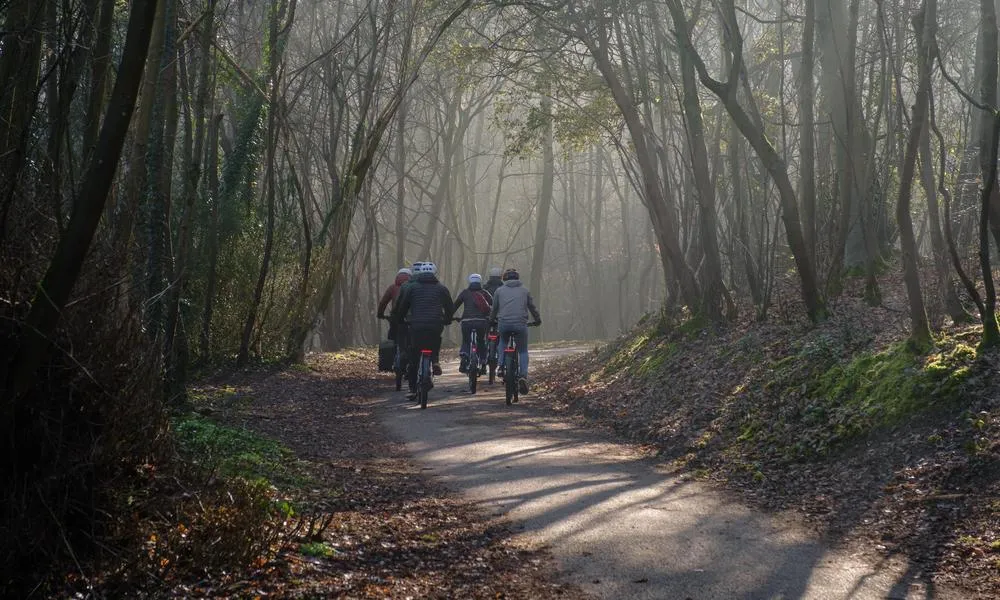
[(842, 423)]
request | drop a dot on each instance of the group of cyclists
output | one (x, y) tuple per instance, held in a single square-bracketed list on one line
[(421, 306)]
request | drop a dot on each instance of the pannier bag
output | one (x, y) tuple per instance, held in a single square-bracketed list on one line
[(386, 355)]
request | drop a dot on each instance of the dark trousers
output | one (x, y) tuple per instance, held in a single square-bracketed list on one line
[(480, 328), (423, 338), (401, 335)]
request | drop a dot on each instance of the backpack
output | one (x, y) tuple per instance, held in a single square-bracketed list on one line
[(481, 303)]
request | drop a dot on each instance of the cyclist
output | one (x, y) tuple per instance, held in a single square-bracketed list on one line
[(426, 304), (494, 282), (478, 303), (511, 305), (390, 296)]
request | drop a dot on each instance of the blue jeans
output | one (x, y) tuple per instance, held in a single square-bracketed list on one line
[(520, 334)]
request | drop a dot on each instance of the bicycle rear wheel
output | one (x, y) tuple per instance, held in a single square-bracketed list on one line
[(509, 378), (424, 384)]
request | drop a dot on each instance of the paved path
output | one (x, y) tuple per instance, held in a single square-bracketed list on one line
[(618, 526)]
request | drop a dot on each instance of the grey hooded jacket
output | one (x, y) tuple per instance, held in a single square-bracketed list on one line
[(511, 304)]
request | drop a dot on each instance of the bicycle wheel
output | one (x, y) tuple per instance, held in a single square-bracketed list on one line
[(491, 358), (425, 385), (509, 378), (400, 371)]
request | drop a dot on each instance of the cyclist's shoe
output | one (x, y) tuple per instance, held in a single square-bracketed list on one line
[(463, 365), (522, 385), (436, 369)]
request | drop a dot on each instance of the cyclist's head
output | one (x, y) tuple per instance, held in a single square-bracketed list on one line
[(495, 271), (511, 274), (475, 278), (404, 271), (426, 267)]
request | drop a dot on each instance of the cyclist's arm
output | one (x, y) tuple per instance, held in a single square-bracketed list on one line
[(449, 306), (400, 306), (532, 309), (457, 303), (384, 302)]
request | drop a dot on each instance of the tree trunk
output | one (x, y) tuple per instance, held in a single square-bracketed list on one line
[(947, 297), (807, 143), (775, 166), (989, 138), (544, 203), (924, 24), (19, 65), (662, 214), (714, 288), (64, 268), (270, 179)]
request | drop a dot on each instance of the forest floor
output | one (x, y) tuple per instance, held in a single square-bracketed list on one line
[(388, 531), (872, 445), (314, 481)]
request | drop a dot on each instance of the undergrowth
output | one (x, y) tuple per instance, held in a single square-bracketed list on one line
[(804, 400), (830, 402), (217, 450)]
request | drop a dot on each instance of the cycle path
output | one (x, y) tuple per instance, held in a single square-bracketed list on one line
[(617, 524)]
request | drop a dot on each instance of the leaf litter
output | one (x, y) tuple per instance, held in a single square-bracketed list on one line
[(390, 531)]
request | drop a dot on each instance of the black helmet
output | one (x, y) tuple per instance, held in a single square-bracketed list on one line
[(511, 274)]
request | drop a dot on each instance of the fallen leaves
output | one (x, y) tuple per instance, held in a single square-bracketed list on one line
[(392, 532)]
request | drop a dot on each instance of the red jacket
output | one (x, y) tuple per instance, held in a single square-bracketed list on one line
[(391, 293)]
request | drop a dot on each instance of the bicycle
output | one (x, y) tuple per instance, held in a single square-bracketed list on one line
[(512, 370), (425, 377), (474, 368), (399, 360), (425, 372)]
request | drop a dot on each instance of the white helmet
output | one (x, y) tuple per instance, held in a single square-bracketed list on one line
[(495, 272), (404, 271), (475, 278), (425, 267)]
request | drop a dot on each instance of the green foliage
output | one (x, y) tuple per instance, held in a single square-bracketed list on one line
[(847, 400), (318, 550), (642, 354), (234, 453), (239, 169)]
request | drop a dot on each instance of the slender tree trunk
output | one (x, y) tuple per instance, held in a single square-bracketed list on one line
[(544, 204), (714, 288), (662, 214), (270, 179), (807, 143), (989, 138), (947, 297), (211, 275), (64, 268), (19, 66), (924, 25), (400, 184), (775, 166)]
